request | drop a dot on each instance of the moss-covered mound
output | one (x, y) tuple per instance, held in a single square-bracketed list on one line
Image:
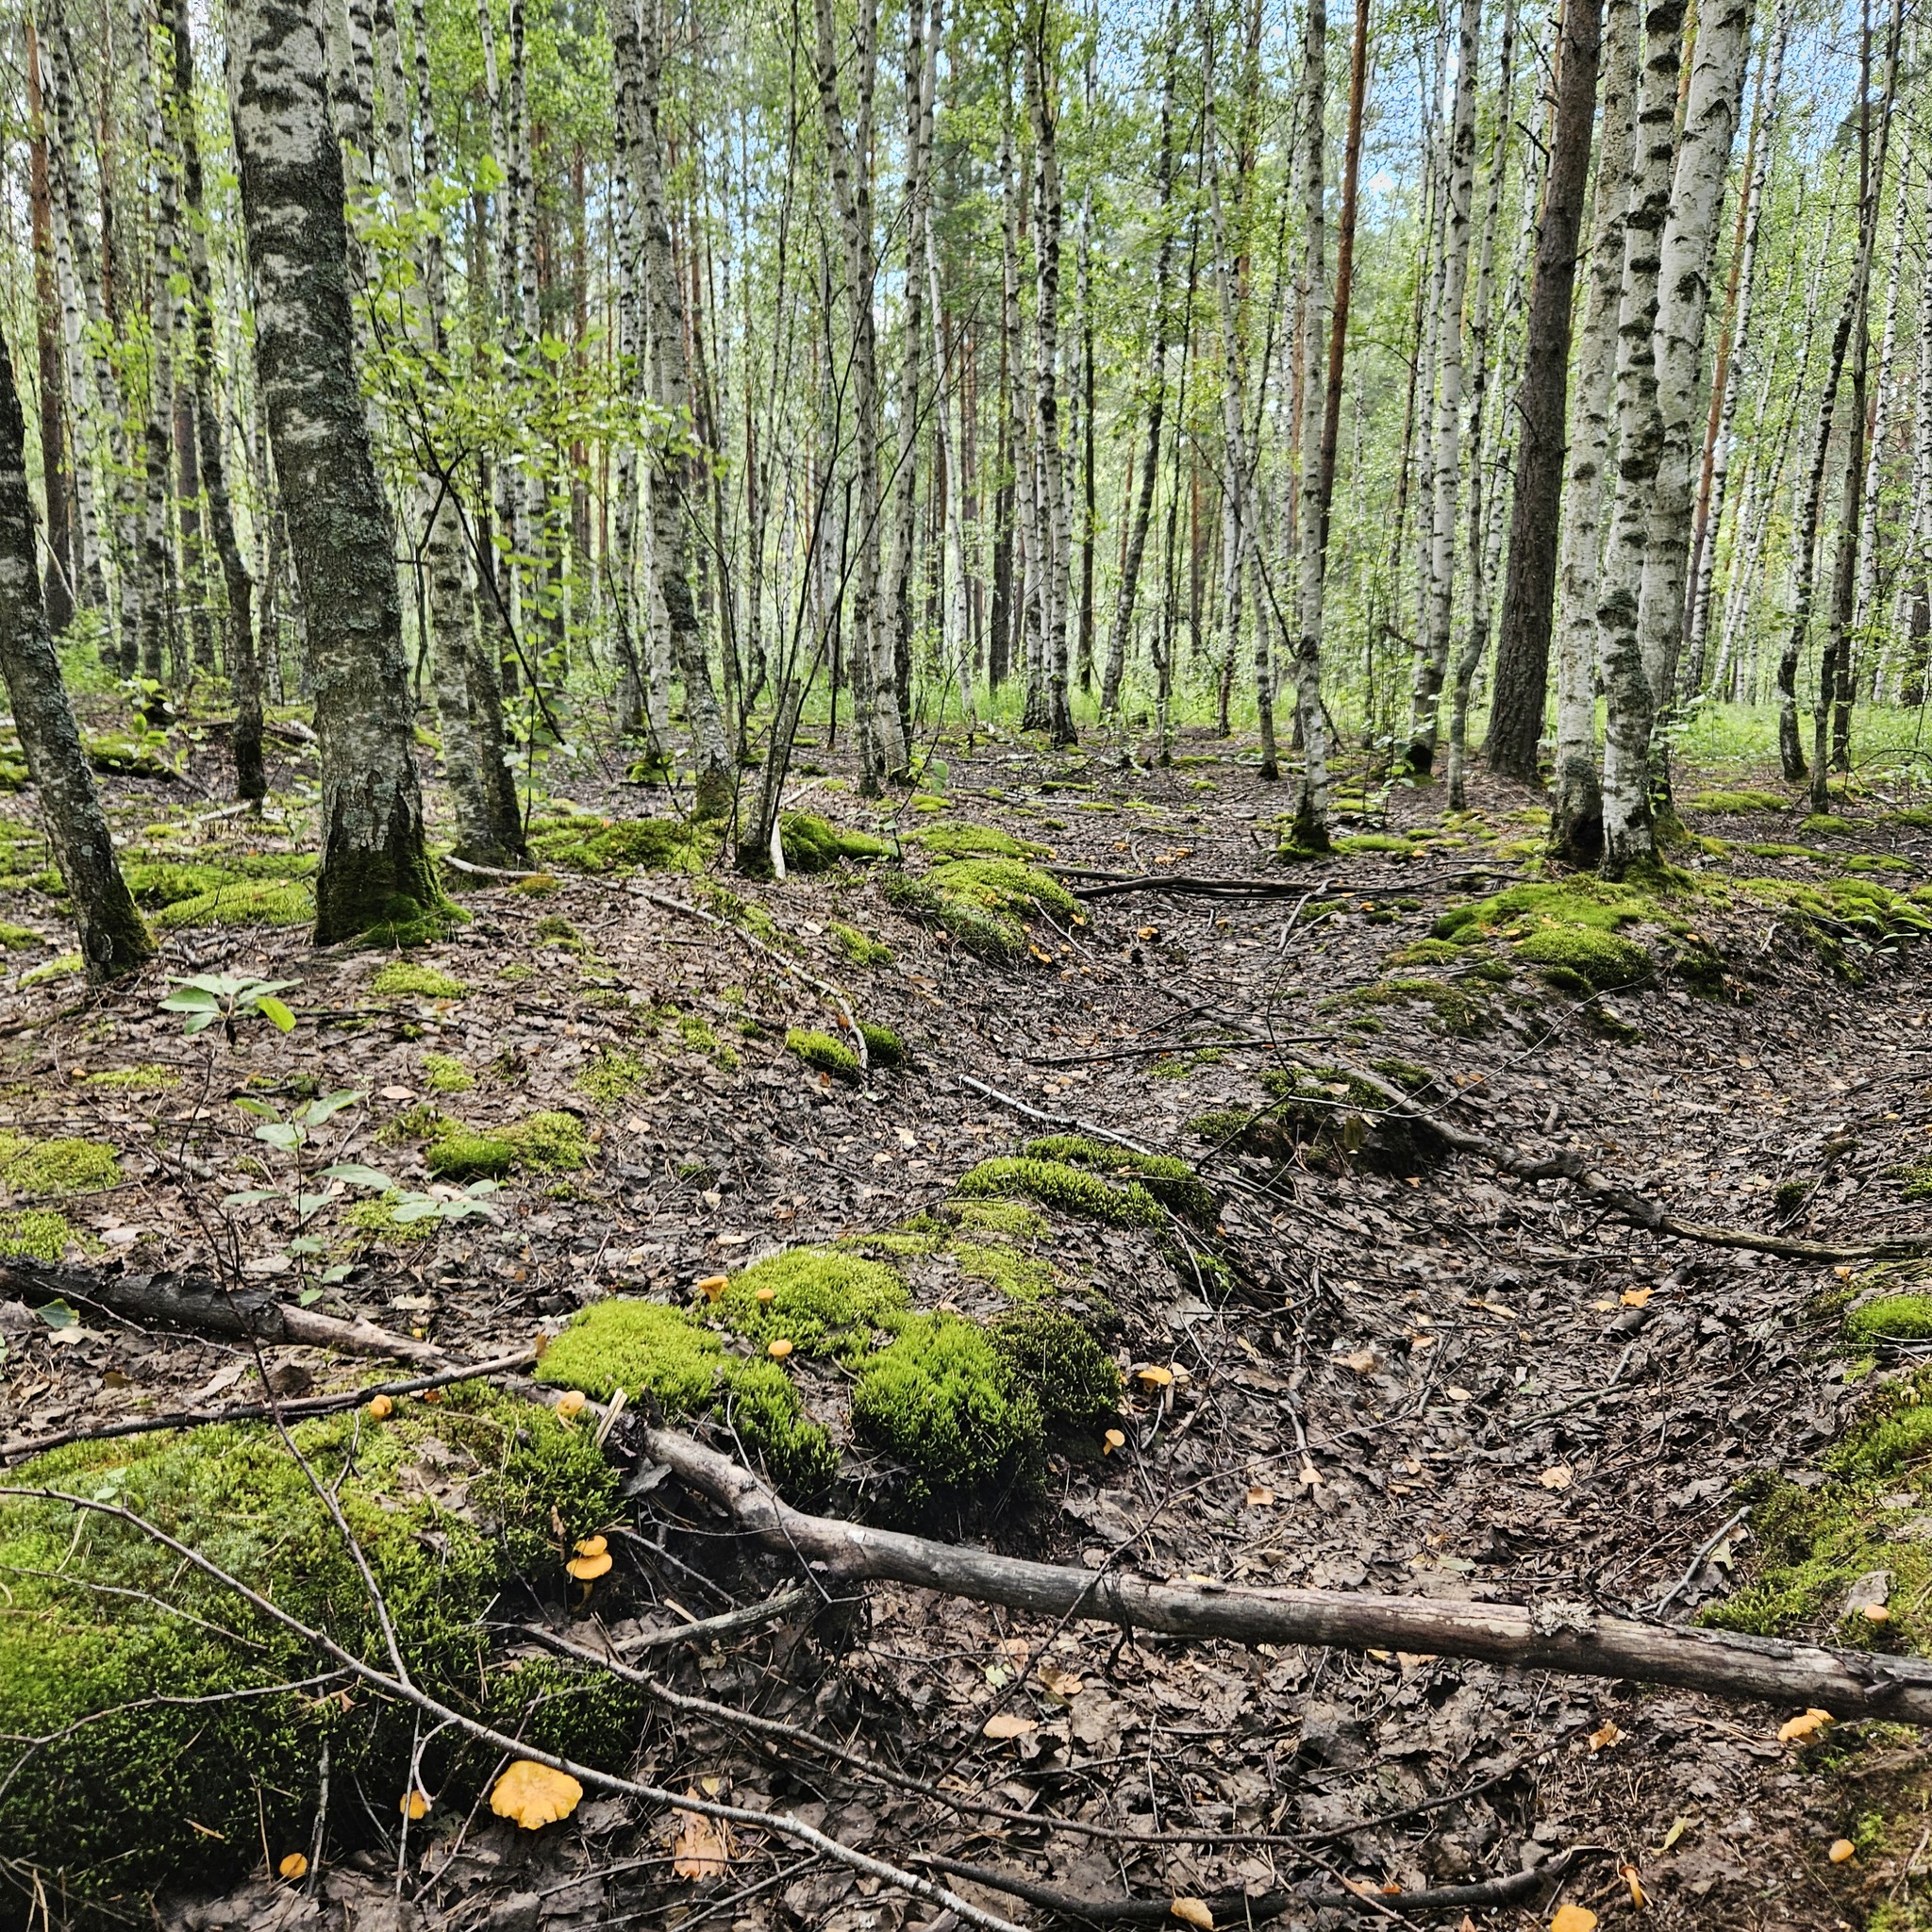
[(1056, 1184), (823, 1054), (583, 843), (244, 902), (647, 1347), (408, 979), (547, 1142), (102, 1627), (1073, 1378), (55, 1167), (41, 1233), (1739, 801), (1848, 919), (815, 845), (1892, 1318), (963, 839), (1454, 1010), (1571, 929), (859, 947), (822, 1302), (1172, 1182), (983, 903), (1600, 961), (944, 1402)]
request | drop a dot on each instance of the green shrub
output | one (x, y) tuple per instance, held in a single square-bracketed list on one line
[(403, 979), (1053, 1184), (159, 1765), (822, 1051), (814, 844), (68, 1166), (944, 1402), (1172, 1182), (822, 1302), (1073, 1378)]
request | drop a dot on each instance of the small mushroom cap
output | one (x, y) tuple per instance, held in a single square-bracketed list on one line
[(592, 1546), (380, 1406), (587, 1569), (714, 1285), (768, 1294), (295, 1866), (1113, 1440), (535, 1796), (1154, 1376), (412, 1803), (568, 1403), (780, 1349)]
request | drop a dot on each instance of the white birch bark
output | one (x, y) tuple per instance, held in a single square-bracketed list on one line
[(1883, 403), (1432, 654)]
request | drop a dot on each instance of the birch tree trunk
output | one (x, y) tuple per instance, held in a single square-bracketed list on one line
[(1432, 652), (376, 871), (1917, 574), (1482, 322), (160, 642), (1156, 396), (59, 580), (882, 743), (1577, 809), (113, 938), (1628, 834)]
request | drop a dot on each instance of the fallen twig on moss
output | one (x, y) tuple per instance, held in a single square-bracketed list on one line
[(1574, 1638), (197, 1301)]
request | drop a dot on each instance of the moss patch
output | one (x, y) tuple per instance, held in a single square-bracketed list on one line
[(378, 1220), (609, 846), (883, 1047), (1172, 1182), (406, 978), (1600, 959), (1017, 1276), (1073, 1378), (861, 948), (609, 1074), (1895, 1317), (815, 845), (41, 1233), (548, 1142), (1013, 1219), (963, 839), (244, 901), (99, 1624), (822, 1302), (823, 1054), (1456, 1010), (149, 1077), (1739, 801), (443, 1073), (68, 1166), (1054, 1184)]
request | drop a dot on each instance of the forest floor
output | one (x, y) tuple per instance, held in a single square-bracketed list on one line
[(1415, 1375)]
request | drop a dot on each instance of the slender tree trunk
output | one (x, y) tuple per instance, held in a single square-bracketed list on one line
[(113, 939), (1518, 707), (1432, 654), (1917, 571), (375, 873), (1482, 324), (1156, 395), (59, 576), (1627, 836), (160, 610)]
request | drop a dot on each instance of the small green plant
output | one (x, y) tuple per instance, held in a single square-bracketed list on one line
[(41, 1233), (211, 996), (883, 1047), (814, 844)]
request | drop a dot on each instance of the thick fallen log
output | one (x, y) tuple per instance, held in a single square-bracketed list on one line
[(201, 1303), (1575, 1639)]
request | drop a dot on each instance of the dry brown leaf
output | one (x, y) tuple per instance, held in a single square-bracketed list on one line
[(704, 1847), (1361, 1361), (1574, 1919), (295, 1866), (1636, 1297), (1842, 1850), (1260, 1498), (1061, 1683), (1605, 1737), (1561, 1477), (1628, 1873), (1456, 1394), (1793, 1729), (534, 1794), (1006, 1724), (1191, 1911)]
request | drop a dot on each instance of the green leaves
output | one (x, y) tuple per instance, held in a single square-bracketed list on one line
[(210, 996)]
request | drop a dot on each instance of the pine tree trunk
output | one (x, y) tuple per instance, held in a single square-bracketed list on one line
[(1432, 654), (113, 939), (375, 873), (1518, 705), (1627, 837), (1142, 510)]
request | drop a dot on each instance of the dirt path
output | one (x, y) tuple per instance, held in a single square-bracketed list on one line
[(1423, 1377)]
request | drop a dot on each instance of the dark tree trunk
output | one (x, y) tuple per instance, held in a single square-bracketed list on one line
[(113, 939), (53, 373), (1522, 643)]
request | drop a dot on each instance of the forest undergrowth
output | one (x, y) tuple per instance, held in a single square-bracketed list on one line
[(1277, 1334)]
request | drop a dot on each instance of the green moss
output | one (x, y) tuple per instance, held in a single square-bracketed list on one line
[(1456, 1010), (553, 929), (612, 1072), (1426, 952), (12, 938), (860, 948), (59, 1167), (1897, 1317), (820, 1301), (548, 1142), (642, 1346), (378, 1220), (148, 1077), (445, 1073), (463, 1155), (1005, 886), (156, 886), (1013, 1219), (1876, 862), (1600, 959), (1376, 841), (607, 845), (822, 1051), (129, 757), (883, 1047), (1220, 1125), (1825, 824), (41, 1232), (1786, 852), (1738, 802), (404, 978), (1917, 1177), (551, 1142), (1172, 1182), (945, 1403), (963, 838), (1017, 1276), (1070, 1377), (814, 844), (1053, 1184), (244, 902), (986, 935), (163, 1766)]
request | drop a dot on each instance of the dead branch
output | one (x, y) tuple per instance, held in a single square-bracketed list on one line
[(1112, 884), (1574, 1638), (200, 1302), (293, 1408)]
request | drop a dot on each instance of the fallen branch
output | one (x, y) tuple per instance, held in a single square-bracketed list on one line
[(1246, 1909), (293, 1408), (1572, 1165), (187, 1300), (1574, 1638), (1112, 884)]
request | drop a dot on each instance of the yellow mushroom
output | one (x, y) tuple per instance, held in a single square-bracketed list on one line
[(295, 1866), (568, 1403), (592, 1546), (767, 1295), (412, 1804), (714, 1285), (1113, 1440), (381, 1407), (780, 1349), (587, 1569), (535, 1796)]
